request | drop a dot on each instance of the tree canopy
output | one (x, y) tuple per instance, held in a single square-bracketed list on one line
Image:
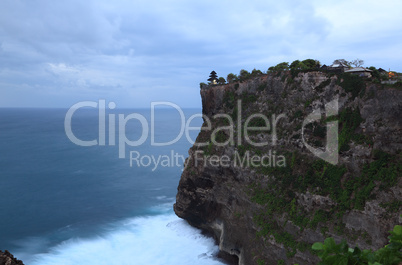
[(244, 74), (231, 78), (279, 67)]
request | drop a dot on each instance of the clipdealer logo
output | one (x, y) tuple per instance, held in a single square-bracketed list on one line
[(234, 131), (331, 149)]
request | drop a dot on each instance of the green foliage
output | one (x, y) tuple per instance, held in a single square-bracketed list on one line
[(392, 207), (303, 66), (244, 75), (208, 150), (278, 196), (241, 149), (284, 77), (234, 114), (323, 84), (295, 65), (307, 103), (231, 78), (248, 98), (319, 131), (221, 81), (320, 216), (279, 67), (220, 137), (290, 80), (397, 85), (255, 73), (310, 64), (262, 87), (258, 122), (375, 74), (349, 121), (229, 99), (298, 114), (202, 85), (385, 169), (331, 253), (328, 178), (266, 197), (353, 84)]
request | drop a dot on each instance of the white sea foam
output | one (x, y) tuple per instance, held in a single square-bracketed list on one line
[(159, 240)]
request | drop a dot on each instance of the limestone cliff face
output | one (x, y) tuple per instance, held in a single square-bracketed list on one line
[(263, 213)]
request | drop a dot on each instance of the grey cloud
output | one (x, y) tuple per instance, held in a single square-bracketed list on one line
[(133, 52)]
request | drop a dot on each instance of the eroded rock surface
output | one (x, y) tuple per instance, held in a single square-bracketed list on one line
[(224, 200)]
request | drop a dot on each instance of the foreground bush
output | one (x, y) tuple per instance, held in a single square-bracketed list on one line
[(331, 253)]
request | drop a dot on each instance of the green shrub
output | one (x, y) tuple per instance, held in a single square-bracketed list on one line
[(331, 253), (349, 121), (279, 67), (257, 122), (298, 114), (310, 64), (262, 87), (353, 84), (256, 73), (229, 99), (323, 84), (244, 75), (221, 81), (392, 207), (398, 85), (231, 78), (248, 98)]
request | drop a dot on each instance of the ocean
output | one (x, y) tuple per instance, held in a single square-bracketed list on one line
[(63, 203)]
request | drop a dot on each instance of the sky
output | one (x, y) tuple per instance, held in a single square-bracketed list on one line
[(58, 53)]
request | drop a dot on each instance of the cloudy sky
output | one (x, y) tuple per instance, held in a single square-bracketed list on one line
[(57, 53)]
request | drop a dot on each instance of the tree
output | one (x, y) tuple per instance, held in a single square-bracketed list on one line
[(357, 63), (376, 74), (271, 69), (311, 63), (231, 78), (255, 73), (244, 74), (279, 67), (341, 61), (213, 78), (295, 65), (221, 81)]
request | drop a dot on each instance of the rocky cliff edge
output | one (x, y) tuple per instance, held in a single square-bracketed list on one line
[(272, 210)]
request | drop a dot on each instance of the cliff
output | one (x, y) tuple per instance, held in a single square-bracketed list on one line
[(266, 194), (6, 258)]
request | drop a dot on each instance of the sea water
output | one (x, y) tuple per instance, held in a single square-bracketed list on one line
[(62, 203)]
